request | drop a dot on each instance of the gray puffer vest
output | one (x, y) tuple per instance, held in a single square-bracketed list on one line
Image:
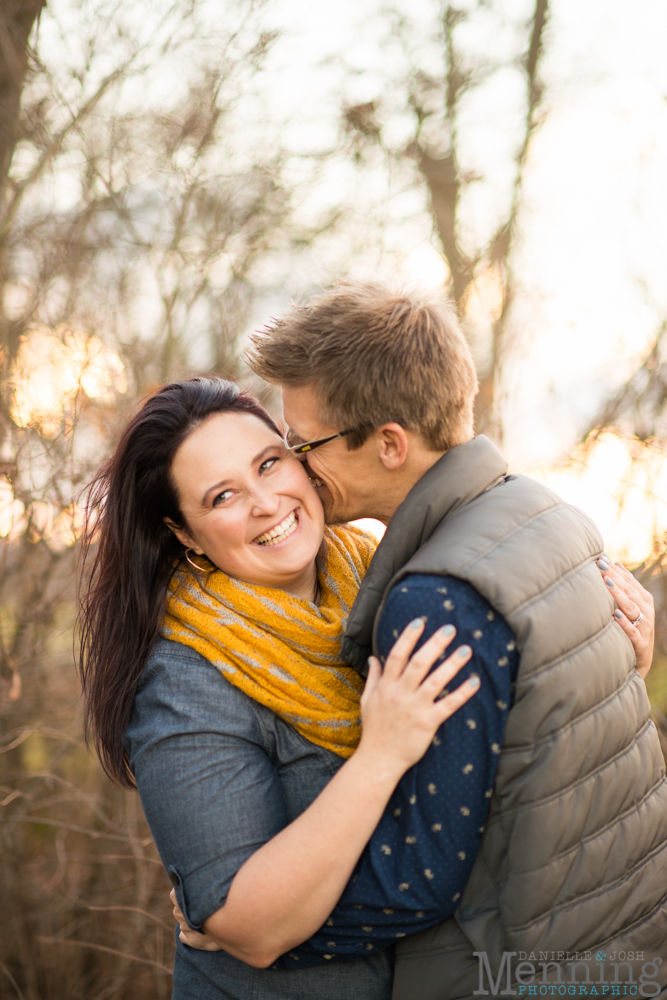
[(573, 862)]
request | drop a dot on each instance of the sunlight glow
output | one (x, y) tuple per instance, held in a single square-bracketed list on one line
[(52, 367), (427, 266), (484, 298), (621, 483), (12, 521)]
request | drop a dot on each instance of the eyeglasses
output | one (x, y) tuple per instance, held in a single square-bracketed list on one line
[(306, 446)]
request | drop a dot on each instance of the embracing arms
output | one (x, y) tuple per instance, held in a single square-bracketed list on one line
[(285, 850), (288, 885)]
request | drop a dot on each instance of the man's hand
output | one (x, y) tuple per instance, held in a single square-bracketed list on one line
[(193, 939), (632, 602)]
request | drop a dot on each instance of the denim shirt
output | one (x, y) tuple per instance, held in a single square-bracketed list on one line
[(219, 775)]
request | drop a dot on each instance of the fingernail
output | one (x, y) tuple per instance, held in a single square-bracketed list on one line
[(473, 681), (618, 614), (447, 630), (608, 580), (416, 623), (464, 651), (603, 564)]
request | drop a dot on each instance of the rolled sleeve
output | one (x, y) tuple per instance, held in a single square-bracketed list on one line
[(211, 793)]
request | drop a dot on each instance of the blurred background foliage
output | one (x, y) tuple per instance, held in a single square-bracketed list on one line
[(166, 183)]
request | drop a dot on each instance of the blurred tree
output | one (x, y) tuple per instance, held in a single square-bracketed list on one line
[(487, 78), (138, 194), (17, 18), (637, 411), (479, 257), (145, 199)]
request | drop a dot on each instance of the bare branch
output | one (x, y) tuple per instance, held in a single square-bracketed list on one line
[(110, 951)]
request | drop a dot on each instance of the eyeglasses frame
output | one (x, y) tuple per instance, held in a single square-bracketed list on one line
[(306, 446)]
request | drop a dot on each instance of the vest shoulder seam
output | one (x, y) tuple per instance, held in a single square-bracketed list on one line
[(515, 529), (408, 568)]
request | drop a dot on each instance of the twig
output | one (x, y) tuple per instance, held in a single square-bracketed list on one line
[(11, 979), (134, 909), (95, 834), (127, 857), (110, 951)]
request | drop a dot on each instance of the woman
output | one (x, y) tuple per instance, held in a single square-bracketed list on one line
[(202, 471)]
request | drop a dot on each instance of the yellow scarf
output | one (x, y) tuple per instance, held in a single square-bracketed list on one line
[(281, 650)]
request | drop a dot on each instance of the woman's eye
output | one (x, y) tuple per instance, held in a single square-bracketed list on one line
[(268, 463), (221, 497)]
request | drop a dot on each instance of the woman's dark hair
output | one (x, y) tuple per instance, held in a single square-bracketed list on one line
[(134, 553)]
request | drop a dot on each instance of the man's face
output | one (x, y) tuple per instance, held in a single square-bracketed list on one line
[(350, 479)]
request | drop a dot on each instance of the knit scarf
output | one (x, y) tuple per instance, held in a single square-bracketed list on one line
[(280, 650)]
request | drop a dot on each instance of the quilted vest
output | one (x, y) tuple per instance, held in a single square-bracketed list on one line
[(573, 860)]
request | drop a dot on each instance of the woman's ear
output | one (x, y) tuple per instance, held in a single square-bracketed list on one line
[(183, 537)]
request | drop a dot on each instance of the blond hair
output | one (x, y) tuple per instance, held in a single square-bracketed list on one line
[(375, 356)]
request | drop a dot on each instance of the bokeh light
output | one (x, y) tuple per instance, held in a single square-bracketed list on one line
[(52, 367)]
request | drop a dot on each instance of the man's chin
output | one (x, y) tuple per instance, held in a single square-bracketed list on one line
[(332, 513)]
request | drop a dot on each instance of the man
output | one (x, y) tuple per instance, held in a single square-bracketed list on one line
[(571, 871)]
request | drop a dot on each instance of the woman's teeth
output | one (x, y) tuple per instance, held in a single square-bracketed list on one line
[(280, 532)]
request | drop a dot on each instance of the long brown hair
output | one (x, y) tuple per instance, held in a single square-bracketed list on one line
[(129, 554)]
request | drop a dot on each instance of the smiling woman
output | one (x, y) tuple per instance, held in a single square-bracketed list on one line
[(248, 504)]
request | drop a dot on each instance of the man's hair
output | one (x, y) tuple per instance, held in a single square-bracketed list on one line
[(375, 356)]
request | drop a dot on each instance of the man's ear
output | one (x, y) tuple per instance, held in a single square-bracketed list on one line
[(393, 446), (183, 537)]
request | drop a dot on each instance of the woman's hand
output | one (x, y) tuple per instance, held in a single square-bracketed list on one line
[(403, 705), (202, 942), (632, 602)]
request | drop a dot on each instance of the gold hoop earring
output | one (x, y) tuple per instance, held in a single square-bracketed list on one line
[(194, 564)]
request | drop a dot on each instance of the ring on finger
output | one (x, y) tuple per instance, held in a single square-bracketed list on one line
[(638, 619)]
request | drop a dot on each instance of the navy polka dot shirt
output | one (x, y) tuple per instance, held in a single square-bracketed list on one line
[(414, 869)]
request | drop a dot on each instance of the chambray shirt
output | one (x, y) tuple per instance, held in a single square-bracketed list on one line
[(219, 775)]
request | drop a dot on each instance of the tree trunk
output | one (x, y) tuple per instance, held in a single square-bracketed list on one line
[(17, 18)]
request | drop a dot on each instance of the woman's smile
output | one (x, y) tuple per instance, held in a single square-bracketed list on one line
[(281, 532)]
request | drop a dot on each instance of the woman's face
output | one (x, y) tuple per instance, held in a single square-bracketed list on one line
[(248, 504)]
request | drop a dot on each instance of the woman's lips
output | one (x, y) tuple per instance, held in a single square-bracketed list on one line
[(281, 531)]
